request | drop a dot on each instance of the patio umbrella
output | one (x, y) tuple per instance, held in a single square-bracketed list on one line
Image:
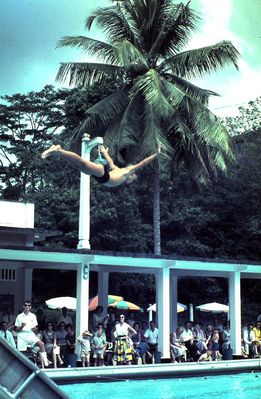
[(62, 301), (126, 305), (94, 302), (213, 307), (180, 308)]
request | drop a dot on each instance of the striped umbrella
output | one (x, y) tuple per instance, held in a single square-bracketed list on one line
[(126, 305), (94, 302)]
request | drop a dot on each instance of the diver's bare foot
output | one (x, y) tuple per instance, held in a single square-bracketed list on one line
[(53, 148)]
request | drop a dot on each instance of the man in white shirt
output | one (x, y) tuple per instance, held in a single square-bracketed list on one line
[(25, 326), (151, 338), (6, 334)]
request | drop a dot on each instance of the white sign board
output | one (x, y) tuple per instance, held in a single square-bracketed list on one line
[(17, 214)]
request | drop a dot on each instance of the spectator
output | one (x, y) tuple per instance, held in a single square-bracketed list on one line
[(98, 347), (123, 352), (9, 317), (187, 339), (208, 333), (131, 320), (41, 321), (50, 343), (257, 332), (85, 339), (65, 317), (110, 324), (25, 326), (151, 336), (99, 317), (140, 347), (6, 334), (70, 339), (177, 349), (215, 354), (225, 335), (61, 335), (249, 346)]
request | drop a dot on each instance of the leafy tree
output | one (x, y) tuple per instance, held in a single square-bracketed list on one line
[(155, 103)]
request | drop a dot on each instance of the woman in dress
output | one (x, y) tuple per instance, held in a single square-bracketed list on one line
[(52, 350), (123, 352)]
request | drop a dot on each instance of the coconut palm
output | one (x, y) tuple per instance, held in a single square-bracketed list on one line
[(154, 103)]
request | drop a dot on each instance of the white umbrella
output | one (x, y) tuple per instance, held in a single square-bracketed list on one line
[(213, 307), (180, 308), (61, 301)]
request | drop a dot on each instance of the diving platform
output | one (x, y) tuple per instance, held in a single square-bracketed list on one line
[(21, 379)]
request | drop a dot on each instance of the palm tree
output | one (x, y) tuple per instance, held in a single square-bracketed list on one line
[(154, 102)]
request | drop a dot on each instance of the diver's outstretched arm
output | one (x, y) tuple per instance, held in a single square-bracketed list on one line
[(105, 153), (143, 163)]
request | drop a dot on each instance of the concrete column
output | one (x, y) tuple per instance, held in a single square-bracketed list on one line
[(163, 310), (103, 286), (82, 316), (235, 311), (173, 301), (84, 212), (28, 278)]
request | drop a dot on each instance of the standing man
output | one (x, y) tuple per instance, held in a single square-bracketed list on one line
[(151, 338), (26, 326), (6, 334)]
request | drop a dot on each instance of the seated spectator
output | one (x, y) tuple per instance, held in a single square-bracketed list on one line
[(178, 351), (249, 346), (199, 345), (217, 325), (151, 337), (85, 342), (40, 320), (98, 345), (208, 334), (51, 347), (26, 325), (187, 339), (65, 318), (70, 339), (61, 334), (6, 334), (140, 348), (225, 335), (215, 346), (257, 332), (9, 318)]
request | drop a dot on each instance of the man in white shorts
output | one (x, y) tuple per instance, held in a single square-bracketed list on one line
[(25, 326)]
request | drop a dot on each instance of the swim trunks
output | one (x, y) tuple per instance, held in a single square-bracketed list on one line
[(105, 177)]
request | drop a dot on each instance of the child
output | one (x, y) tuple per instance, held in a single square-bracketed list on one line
[(98, 346), (215, 345), (84, 341)]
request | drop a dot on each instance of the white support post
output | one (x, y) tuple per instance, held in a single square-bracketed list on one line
[(82, 315), (28, 278), (84, 212), (163, 311), (103, 288), (173, 302), (235, 311)]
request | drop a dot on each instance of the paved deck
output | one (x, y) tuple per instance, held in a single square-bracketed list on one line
[(110, 373)]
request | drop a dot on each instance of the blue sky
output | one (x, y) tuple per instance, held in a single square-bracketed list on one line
[(30, 29)]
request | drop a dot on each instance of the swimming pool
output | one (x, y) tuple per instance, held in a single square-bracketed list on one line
[(231, 386)]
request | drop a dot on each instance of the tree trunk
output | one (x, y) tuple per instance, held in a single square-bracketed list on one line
[(156, 210)]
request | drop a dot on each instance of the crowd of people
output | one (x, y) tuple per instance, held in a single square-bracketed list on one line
[(116, 339)]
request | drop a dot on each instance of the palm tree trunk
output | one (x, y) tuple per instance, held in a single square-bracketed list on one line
[(156, 210)]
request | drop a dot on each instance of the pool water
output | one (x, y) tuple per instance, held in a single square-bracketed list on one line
[(231, 386)]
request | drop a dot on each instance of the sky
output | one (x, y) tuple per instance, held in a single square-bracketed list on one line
[(30, 30)]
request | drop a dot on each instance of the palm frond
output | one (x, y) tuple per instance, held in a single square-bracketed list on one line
[(126, 53), (91, 46), (176, 24), (194, 91), (197, 62), (83, 74), (115, 21), (110, 107), (150, 86)]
